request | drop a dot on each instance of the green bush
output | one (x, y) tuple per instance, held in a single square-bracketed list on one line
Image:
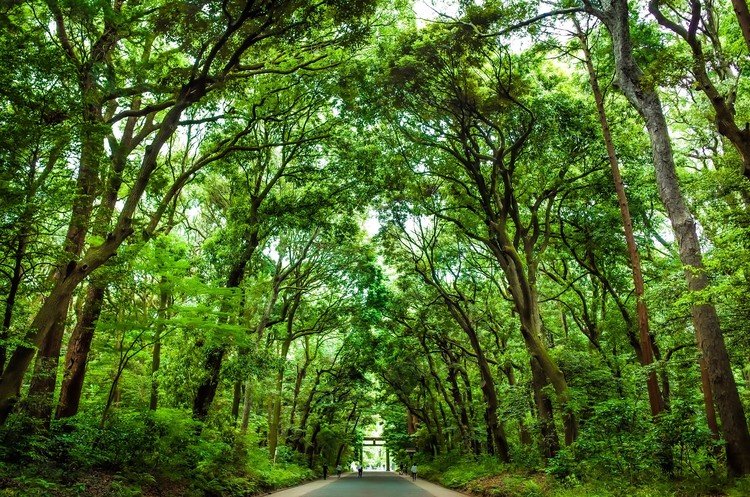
[(458, 475), (740, 488), (139, 449)]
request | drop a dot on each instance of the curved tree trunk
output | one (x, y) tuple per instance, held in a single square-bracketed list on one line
[(494, 426), (743, 19), (75, 271), (274, 427), (44, 379), (15, 285), (156, 353), (204, 395), (452, 402), (24, 230), (77, 353), (524, 293)]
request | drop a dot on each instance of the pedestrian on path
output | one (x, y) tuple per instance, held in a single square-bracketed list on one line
[(338, 470), (325, 470), (359, 470), (414, 472)]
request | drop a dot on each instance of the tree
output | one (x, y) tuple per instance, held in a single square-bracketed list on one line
[(705, 319), (469, 108), (230, 36)]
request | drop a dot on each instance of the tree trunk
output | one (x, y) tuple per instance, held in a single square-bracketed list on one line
[(463, 417), (705, 320), (41, 390), (306, 410), (496, 433), (556, 378), (550, 443), (469, 405), (489, 432), (743, 18), (24, 229), (708, 400), (156, 353), (274, 426), (236, 400), (79, 345), (71, 274), (313, 445), (246, 407), (114, 391), (494, 427), (654, 396), (15, 285), (524, 435), (723, 105), (439, 436), (206, 392), (44, 379), (301, 374), (522, 284), (451, 402), (76, 356)]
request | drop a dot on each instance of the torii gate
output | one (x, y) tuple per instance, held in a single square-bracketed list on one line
[(376, 442)]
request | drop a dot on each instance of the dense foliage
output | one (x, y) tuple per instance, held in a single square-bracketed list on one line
[(237, 235)]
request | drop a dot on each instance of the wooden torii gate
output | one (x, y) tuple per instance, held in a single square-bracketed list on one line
[(376, 442)]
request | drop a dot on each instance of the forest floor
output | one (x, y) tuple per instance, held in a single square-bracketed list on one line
[(94, 483)]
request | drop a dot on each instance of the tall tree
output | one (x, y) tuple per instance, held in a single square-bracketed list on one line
[(616, 17), (646, 356)]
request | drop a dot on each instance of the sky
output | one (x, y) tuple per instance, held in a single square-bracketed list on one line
[(430, 9)]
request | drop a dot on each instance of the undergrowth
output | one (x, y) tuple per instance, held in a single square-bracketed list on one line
[(164, 452), (487, 477)]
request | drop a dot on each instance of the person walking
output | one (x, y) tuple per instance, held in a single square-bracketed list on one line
[(359, 470), (338, 470), (325, 470), (414, 472)]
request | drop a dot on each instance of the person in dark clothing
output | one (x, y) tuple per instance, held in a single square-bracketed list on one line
[(325, 471)]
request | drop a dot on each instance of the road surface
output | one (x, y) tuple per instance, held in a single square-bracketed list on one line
[(372, 484)]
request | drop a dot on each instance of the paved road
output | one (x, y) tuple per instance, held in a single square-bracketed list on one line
[(372, 484)]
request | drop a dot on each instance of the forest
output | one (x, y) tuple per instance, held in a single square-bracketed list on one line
[(236, 235)]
